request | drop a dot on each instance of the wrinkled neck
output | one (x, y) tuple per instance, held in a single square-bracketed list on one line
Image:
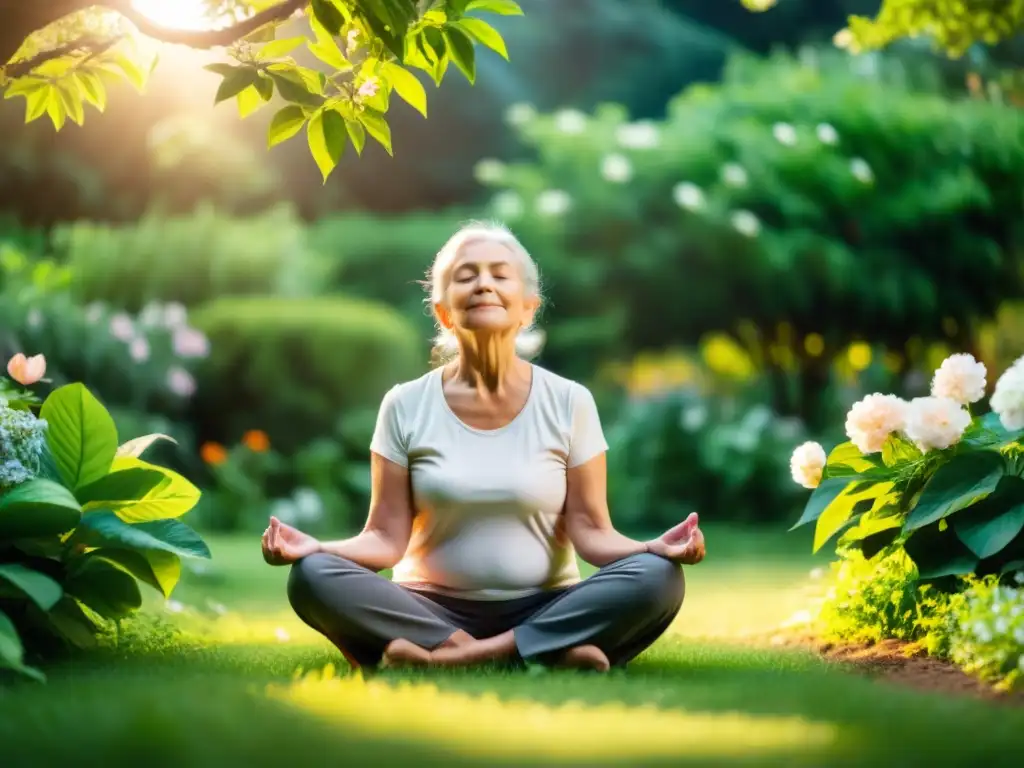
[(489, 363)]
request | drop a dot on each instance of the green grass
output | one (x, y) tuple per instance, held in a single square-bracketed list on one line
[(695, 698)]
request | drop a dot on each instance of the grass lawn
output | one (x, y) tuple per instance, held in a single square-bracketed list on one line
[(230, 697)]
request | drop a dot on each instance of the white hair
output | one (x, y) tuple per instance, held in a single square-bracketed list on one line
[(529, 340)]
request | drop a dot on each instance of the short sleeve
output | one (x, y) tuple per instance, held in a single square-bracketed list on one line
[(388, 435), (586, 437)]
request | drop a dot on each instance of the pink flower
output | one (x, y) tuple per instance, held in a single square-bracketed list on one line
[(180, 382), (190, 342), (139, 350), (872, 419), (26, 370), (121, 327), (369, 89), (960, 378)]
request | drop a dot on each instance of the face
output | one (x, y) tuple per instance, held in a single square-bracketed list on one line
[(486, 292)]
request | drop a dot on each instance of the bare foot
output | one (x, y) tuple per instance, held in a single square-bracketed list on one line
[(402, 653), (585, 657)]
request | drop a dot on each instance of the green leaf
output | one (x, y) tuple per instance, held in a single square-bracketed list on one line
[(170, 499), (24, 86), (460, 48), (160, 569), (12, 652), (262, 34), (131, 71), (962, 481), (326, 135), (843, 507), (93, 89), (820, 498), (250, 100), (37, 508), (120, 488), (294, 88), (264, 87), (501, 7), (328, 15), (280, 48), (377, 127), (990, 525), (326, 49), (72, 101), (81, 435), (356, 134), (55, 108), (37, 587), (138, 445), (286, 123), (235, 82), (897, 450), (103, 587), (105, 529), (485, 34), (434, 44), (36, 104), (407, 86), (69, 620), (221, 68), (939, 553)]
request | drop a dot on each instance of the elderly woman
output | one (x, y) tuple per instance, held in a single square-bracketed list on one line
[(488, 477)]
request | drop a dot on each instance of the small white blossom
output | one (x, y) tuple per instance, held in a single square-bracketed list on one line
[(688, 196), (642, 134), (784, 133), (180, 382), (861, 170), (139, 349), (190, 342), (570, 122), (121, 327), (351, 41), (827, 134), (553, 202), (175, 314), (489, 171), (872, 419), (960, 378), (936, 422), (746, 223), (1008, 398), (151, 315), (520, 114), (807, 464), (369, 88), (508, 205), (616, 168), (734, 175)]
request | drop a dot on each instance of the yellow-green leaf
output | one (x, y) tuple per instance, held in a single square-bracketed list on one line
[(280, 48), (839, 511), (357, 134), (72, 100), (171, 499), (500, 7), (326, 134), (286, 123), (461, 51), (377, 127), (55, 107), (249, 100), (131, 71), (36, 103), (485, 34), (407, 85), (92, 89), (24, 86)]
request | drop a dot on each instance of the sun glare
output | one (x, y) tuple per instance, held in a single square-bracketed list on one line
[(175, 14)]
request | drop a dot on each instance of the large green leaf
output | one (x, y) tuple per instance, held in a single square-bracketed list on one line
[(37, 587), (170, 499), (236, 81), (161, 570), (121, 488), (485, 34), (72, 623), (838, 513), (106, 529), (502, 7), (37, 508), (990, 525), (81, 435), (137, 446), (938, 553), (407, 86), (898, 450), (460, 48), (286, 123), (820, 498), (874, 531), (327, 137), (12, 652), (962, 481), (105, 588)]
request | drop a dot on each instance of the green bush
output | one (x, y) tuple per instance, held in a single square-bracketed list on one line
[(295, 367), (188, 259)]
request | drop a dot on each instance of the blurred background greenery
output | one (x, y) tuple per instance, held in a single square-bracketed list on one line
[(741, 229)]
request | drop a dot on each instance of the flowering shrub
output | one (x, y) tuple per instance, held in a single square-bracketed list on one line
[(927, 477), (987, 630), (82, 519)]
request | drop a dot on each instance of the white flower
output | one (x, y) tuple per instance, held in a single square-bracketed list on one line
[(871, 420), (121, 327), (139, 350), (369, 88), (553, 202), (734, 175), (351, 41), (1008, 397), (282, 635), (807, 463), (489, 171), (175, 314), (960, 378), (570, 122), (152, 314), (861, 170), (746, 223), (508, 204), (827, 134), (190, 342), (174, 606), (520, 114), (180, 382), (642, 134), (94, 312), (616, 168), (843, 39), (935, 422), (784, 133), (688, 196)]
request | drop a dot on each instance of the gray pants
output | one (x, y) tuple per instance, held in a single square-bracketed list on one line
[(622, 609)]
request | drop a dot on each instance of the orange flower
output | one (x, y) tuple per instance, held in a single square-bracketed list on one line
[(26, 370), (256, 440), (213, 454)]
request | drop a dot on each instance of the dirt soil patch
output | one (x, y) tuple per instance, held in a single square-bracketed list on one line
[(900, 663)]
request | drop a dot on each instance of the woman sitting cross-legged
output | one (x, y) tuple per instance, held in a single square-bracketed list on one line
[(488, 476)]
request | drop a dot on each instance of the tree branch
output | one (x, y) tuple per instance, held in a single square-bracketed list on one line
[(94, 46), (213, 38)]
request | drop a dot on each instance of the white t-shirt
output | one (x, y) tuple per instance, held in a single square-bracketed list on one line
[(488, 504)]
